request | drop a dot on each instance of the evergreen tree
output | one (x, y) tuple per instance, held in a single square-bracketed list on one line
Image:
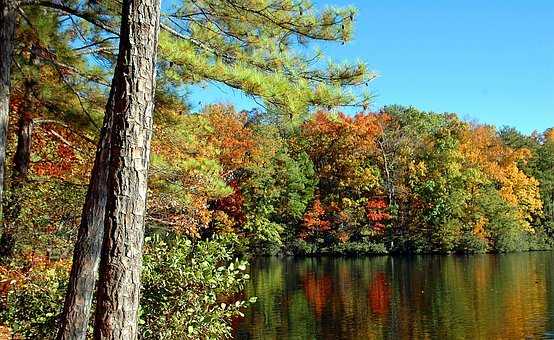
[(273, 64), (119, 177)]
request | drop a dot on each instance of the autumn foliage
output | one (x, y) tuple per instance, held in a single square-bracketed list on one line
[(396, 180), (314, 220)]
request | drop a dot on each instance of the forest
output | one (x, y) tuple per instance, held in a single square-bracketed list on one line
[(108, 168)]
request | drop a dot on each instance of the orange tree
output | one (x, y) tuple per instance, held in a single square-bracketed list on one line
[(350, 188)]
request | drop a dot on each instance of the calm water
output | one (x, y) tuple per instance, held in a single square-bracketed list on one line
[(425, 297)]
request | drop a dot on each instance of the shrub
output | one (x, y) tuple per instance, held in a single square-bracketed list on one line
[(363, 247), (189, 288), (189, 291), (33, 298)]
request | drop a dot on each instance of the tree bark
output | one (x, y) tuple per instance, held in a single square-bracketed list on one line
[(86, 255), (21, 161), (22, 157), (133, 89), (7, 31)]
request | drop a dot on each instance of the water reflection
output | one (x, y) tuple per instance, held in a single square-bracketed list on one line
[(425, 297)]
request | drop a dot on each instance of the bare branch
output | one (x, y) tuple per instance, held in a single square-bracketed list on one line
[(58, 122), (94, 43)]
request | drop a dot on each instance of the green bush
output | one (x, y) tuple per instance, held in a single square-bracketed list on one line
[(363, 247), (189, 288), (472, 244), (302, 247), (34, 300), (189, 291)]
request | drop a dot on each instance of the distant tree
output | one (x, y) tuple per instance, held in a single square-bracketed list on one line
[(343, 150), (543, 170), (540, 165)]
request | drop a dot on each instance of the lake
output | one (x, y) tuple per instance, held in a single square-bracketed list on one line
[(421, 297)]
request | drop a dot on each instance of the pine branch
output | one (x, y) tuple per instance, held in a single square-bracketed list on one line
[(87, 16)]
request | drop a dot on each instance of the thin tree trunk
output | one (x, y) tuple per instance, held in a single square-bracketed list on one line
[(7, 31), (21, 161), (86, 255), (133, 89), (22, 157)]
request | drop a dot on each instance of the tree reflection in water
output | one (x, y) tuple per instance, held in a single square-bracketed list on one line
[(447, 297)]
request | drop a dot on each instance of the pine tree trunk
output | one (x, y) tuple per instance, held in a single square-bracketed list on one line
[(7, 31), (133, 89), (86, 255)]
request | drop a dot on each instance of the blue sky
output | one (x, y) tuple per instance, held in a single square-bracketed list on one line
[(489, 61)]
